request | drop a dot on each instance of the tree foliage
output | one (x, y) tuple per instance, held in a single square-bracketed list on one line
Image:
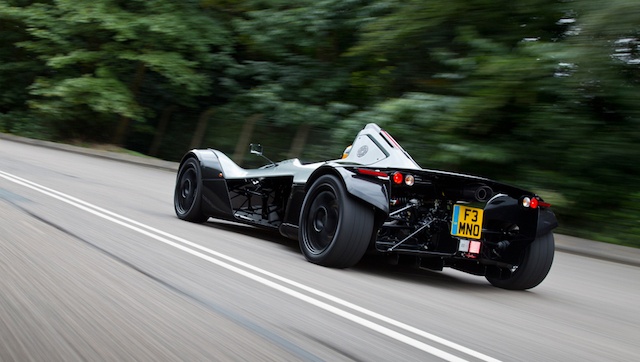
[(540, 93), (103, 58)]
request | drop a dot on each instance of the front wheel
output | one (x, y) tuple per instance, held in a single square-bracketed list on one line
[(188, 192), (335, 228), (535, 264)]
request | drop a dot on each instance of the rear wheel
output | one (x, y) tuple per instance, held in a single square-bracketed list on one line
[(335, 229), (188, 192), (534, 267)]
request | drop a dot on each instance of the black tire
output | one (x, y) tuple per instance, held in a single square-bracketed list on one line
[(187, 195), (536, 262), (335, 228)]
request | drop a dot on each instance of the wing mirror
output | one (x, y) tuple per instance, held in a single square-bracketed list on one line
[(256, 149)]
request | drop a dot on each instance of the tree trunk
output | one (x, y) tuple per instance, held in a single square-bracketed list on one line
[(162, 128), (245, 137), (297, 146), (123, 126), (203, 120)]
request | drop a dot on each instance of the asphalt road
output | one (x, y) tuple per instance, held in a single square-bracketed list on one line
[(95, 266)]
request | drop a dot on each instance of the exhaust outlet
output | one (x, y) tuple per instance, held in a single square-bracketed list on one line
[(483, 193), (480, 193)]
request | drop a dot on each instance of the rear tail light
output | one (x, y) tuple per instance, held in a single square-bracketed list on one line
[(534, 202), (398, 178), (409, 180)]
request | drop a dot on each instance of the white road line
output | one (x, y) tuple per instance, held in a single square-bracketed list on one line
[(164, 237)]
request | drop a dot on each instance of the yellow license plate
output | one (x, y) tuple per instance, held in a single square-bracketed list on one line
[(466, 222)]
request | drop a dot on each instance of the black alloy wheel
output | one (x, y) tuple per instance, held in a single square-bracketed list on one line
[(188, 192), (535, 263), (335, 228)]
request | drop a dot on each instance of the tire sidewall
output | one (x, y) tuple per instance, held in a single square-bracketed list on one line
[(324, 182), (193, 212), (534, 267), (353, 231)]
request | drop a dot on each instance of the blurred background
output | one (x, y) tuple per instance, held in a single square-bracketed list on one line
[(539, 93)]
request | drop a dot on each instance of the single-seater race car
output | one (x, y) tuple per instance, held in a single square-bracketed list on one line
[(378, 199)]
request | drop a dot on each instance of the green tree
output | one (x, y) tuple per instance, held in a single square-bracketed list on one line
[(108, 61), (18, 70), (461, 75), (598, 121), (293, 72)]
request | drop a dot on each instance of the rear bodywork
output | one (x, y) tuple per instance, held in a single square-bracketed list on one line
[(422, 216)]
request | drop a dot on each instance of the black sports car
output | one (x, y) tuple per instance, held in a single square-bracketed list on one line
[(377, 198)]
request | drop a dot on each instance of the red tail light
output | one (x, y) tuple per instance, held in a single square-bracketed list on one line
[(534, 202), (398, 178)]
